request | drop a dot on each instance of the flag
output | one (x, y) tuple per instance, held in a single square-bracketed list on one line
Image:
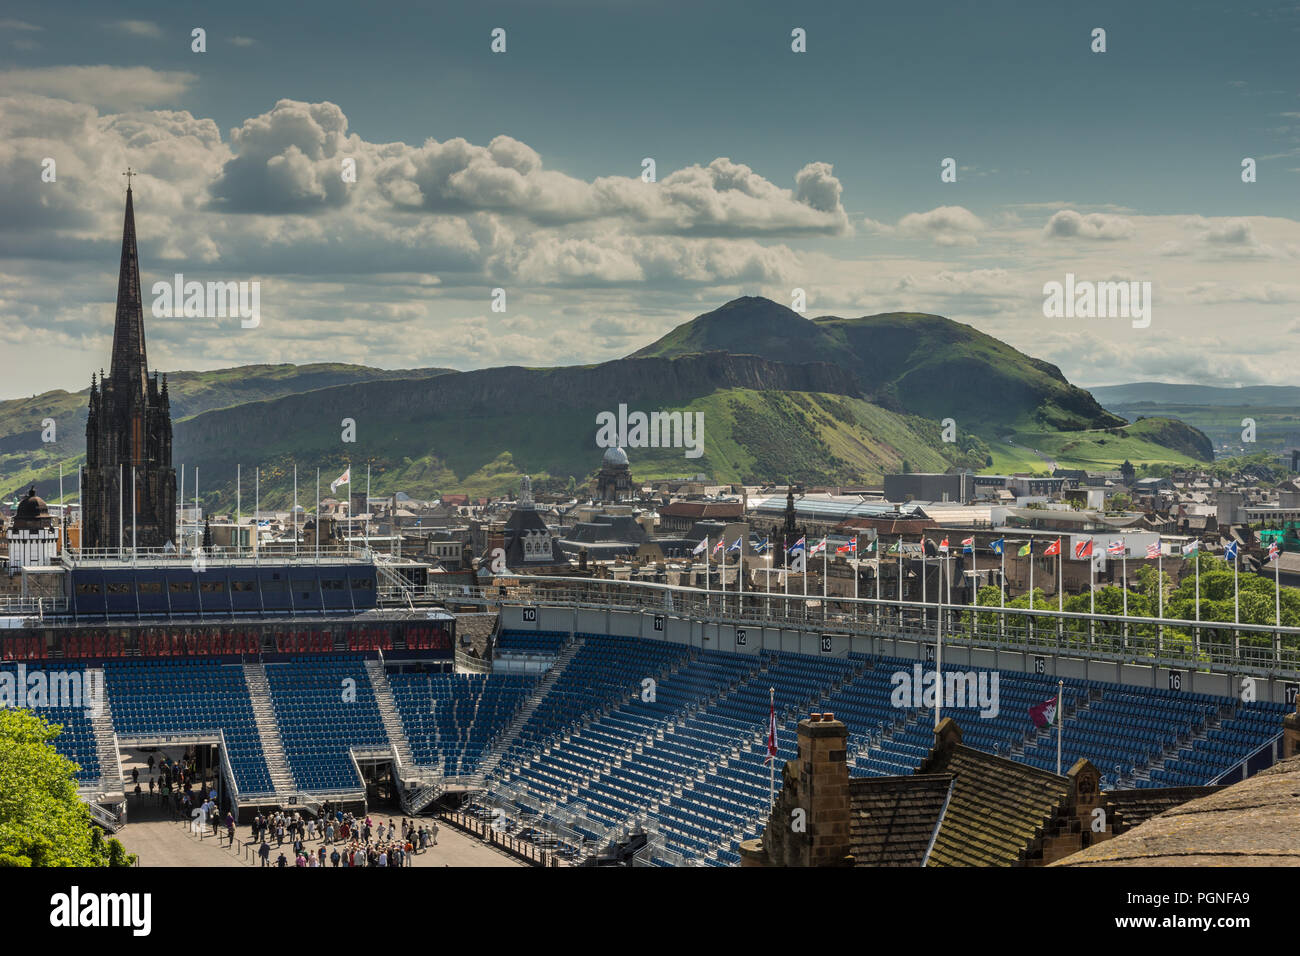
[(896, 547), (343, 479), (736, 545), (943, 545), (871, 546), (1083, 549), (997, 546), (1274, 552), (719, 546), (968, 544), (1230, 552), (797, 546), (1193, 547), (771, 733), (1153, 550), (850, 547), (701, 547), (1115, 547), (819, 547), (1024, 552), (1053, 549), (760, 549), (1043, 714)]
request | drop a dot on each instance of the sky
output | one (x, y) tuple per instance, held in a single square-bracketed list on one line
[(774, 170)]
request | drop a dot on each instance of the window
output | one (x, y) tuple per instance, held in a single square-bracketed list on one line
[(181, 587), (88, 588), (363, 584), (149, 587), (212, 587), (243, 585), (119, 587)]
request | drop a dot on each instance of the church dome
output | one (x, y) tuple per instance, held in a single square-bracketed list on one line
[(615, 456), (32, 508), (32, 514)]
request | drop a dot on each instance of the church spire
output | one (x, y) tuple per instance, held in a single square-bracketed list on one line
[(129, 365)]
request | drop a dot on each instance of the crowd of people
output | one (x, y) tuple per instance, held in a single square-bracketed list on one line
[(344, 839)]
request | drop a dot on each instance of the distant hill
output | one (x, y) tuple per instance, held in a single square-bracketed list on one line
[(924, 364), (828, 400), (24, 457), (1164, 393), (1221, 414)]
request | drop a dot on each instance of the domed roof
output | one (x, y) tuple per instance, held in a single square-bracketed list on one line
[(31, 508), (615, 456)]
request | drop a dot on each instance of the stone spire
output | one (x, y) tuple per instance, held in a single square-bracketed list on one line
[(129, 365)]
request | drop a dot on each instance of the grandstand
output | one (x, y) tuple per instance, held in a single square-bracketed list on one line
[(585, 735)]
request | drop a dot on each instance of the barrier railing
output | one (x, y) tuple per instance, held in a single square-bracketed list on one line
[(1213, 645)]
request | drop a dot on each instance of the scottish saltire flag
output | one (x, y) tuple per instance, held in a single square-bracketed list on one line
[(1230, 552), (851, 546), (1153, 550), (797, 546), (701, 547), (1083, 549), (735, 546), (997, 546), (968, 544), (1115, 547), (343, 479), (1274, 552), (1043, 714)]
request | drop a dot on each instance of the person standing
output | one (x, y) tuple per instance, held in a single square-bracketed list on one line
[(264, 851)]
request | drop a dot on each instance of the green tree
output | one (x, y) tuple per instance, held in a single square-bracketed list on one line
[(42, 820)]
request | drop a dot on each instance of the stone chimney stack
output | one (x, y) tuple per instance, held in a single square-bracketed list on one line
[(824, 790)]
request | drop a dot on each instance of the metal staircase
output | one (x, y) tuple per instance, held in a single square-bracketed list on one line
[(388, 713), (502, 743), (259, 692), (106, 749)]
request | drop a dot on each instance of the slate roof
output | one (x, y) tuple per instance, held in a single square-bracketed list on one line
[(997, 805), (1252, 823), (893, 820), (1132, 808)]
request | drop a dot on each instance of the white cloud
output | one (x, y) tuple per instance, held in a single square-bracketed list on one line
[(1068, 224), (140, 28), (113, 87)]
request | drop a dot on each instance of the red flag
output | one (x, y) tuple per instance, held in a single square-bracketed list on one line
[(1043, 714), (1083, 549), (1053, 548)]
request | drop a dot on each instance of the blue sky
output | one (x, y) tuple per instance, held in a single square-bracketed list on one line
[(1123, 165)]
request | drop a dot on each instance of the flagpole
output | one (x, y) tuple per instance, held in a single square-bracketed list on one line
[(1002, 588), (825, 572), (295, 507), (367, 524), (856, 572), (121, 508), (1277, 589), (1060, 716), (877, 608), (257, 505), (708, 596), (1160, 595), (133, 493), (238, 483), (196, 506), (938, 644), (63, 512), (1060, 593), (1124, 574), (740, 574), (771, 770), (924, 615), (785, 576), (803, 557), (318, 514), (900, 578), (723, 572), (1031, 588), (181, 499)]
